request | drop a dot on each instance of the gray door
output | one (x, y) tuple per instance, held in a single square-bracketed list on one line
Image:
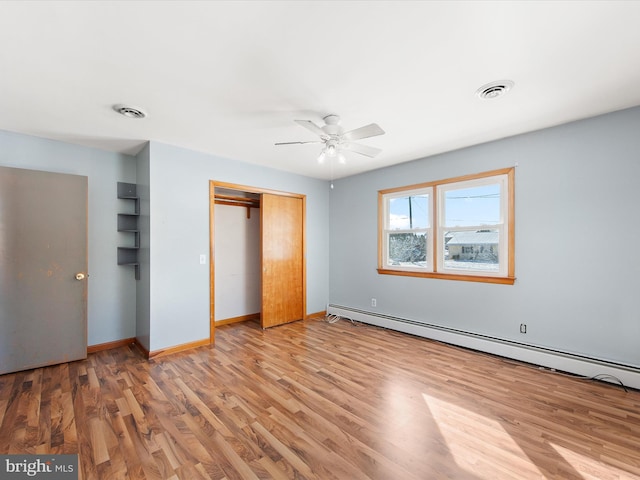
[(43, 248)]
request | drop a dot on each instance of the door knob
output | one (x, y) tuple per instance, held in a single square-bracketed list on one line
[(79, 276)]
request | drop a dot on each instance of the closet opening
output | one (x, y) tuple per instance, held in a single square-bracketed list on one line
[(257, 251), (236, 256)]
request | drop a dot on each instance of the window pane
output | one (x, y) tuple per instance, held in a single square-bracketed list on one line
[(472, 250), (406, 213), (472, 206), (408, 249)]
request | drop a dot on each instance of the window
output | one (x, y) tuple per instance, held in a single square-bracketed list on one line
[(460, 228), (408, 231)]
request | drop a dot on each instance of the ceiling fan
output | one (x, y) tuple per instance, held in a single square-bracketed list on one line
[(335, 139)]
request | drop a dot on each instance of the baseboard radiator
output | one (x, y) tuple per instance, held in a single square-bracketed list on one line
[(576, 364)]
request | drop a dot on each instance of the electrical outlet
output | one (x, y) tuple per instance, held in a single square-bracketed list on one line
[(523, 328), (374, 302)]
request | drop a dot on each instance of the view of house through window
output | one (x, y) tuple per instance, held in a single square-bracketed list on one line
[(450, 229), (409, 222)]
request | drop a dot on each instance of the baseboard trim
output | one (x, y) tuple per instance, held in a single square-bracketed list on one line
[(241, 318), (178, 348), (109, 345), (256, 316), (144, 351), (584, 366)]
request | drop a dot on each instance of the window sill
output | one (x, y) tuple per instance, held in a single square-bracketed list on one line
[(450, 276)]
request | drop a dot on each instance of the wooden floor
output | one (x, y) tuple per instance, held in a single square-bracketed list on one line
[(313, 400)]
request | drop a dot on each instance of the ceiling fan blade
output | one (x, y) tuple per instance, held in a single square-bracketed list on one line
[(309, 125), (362, 149), (297, 143), (367, 131)]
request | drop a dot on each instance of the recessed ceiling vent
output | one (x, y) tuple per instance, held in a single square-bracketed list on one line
[(129, 111), (494, 89)]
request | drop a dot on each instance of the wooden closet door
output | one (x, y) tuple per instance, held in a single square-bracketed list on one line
[(282, 247)]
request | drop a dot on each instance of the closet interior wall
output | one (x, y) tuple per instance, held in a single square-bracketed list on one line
[(237, 256)]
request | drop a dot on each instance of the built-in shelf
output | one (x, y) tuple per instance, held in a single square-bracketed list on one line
[(128, 223)]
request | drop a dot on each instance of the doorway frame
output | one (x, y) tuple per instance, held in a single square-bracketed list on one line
[(213, 184)]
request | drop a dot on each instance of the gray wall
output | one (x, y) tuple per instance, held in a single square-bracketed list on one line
[(576, 234), (143, 286), (111, 302), (179, 234)]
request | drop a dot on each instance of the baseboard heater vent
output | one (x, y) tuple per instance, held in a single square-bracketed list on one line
[(578, 364)]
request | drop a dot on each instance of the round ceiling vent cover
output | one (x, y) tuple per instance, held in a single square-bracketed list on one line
[(494, 89), (129, 111)]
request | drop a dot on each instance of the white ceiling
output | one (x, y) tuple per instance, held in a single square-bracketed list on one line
[(229, 78)]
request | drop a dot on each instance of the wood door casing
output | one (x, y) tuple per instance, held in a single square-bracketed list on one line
[(292, 311), (282, 248)]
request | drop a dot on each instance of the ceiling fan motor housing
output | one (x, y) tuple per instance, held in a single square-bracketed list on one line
[(332, 125)]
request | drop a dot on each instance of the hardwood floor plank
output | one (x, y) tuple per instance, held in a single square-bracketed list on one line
[(171, 451), (126, 447), (100, 450), (272, 470), (302, 469), (318, 401), (150, 468), (216, 464), (68, 423)]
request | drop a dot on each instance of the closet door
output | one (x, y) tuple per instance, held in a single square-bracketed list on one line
[(282, 247), (43, 268)]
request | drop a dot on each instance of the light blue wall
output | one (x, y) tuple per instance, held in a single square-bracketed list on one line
[(111, 300), (577, 232), (576, 206), (169, 305), (179, 234)]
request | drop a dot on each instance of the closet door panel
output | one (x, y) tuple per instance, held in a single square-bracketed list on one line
[(282, 249)]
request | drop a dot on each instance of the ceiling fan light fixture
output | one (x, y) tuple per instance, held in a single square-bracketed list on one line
[(321, 157), (341, 159), (331, 149)]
